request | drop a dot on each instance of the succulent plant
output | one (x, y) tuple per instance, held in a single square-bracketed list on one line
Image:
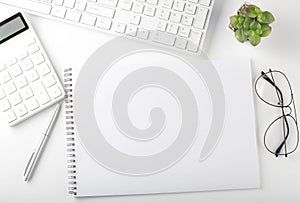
[(251, 24)]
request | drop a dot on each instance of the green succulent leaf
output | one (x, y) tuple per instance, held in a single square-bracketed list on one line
[(266, 30), (255, 25), (247, 23), (265, 17), (254, 39), (234, 20), (250, 11), (241, 19), (240, 35)]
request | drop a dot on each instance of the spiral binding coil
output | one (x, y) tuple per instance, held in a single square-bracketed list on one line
[(71, 163)]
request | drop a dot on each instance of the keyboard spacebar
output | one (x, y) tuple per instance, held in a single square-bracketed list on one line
[(29, 5)]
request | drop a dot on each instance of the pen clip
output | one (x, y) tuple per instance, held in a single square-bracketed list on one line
[(28, 163)]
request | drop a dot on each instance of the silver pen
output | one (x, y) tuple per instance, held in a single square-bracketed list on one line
[(40, 145)]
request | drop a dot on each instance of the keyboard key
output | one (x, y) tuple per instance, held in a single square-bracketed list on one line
[(112, 3), (54, 92), (9, 88), (32, 104), (49, 81), (73, 16), (26, 64), (205, 2), (104, 23), (120, 28), (100, 11), (153, 2), (161, 25), (181, 43), (40, 92), (43, 69), (138, 8), (127, 5), (80, 5), (15, 99), (184, 32), (58, 2), (143, 34), (32, 75), (190, 9), (131, 30), (21, 81), (2, 94), (58, 11), (4, 105), (88, 19), (164, 38), (194, 41), (172, 28), (167, 3), (26, 93), (178, 6), (38, 58), (33, 48), (11, 116), (15, 70), (164, 14), (135, 19), (21, 110), (4, 76), (69, 3), (187, 20), (201, 18), (149, 11), (175, 17)]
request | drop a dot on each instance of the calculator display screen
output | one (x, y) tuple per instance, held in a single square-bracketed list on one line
[(12, 27)]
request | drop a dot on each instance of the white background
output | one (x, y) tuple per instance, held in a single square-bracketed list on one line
[(68, 45)]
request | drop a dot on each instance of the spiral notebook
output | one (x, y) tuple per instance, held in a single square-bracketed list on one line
[(114, 147)]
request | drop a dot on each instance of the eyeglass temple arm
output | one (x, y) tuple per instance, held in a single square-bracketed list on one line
[(277, 151)]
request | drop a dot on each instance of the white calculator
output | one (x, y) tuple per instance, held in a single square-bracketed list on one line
[(28, 81)]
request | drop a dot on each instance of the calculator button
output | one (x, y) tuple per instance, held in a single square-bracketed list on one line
[(21, 110), (4, 76), (15, 99), (38, 58), (11, 61), (32, 75), (34, 48), (40, 93), (26, 64), (54, 91), (26, 93), (21, 81), (43, 69), (49, 80), (30, 41), (32, 104), (22, 55), (2, 94), (9, 88), (11, 116), (4, 105), (15, 70), (2, 67)]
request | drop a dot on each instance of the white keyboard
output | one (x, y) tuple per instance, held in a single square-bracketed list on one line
[(28, 82), (178, 24)]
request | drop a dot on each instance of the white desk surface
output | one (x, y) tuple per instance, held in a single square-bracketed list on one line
[(67, 45)]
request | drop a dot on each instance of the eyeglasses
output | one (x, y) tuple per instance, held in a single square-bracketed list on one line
[(282, 135)]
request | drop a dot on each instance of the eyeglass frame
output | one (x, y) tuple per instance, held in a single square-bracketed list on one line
[(284, 115)]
